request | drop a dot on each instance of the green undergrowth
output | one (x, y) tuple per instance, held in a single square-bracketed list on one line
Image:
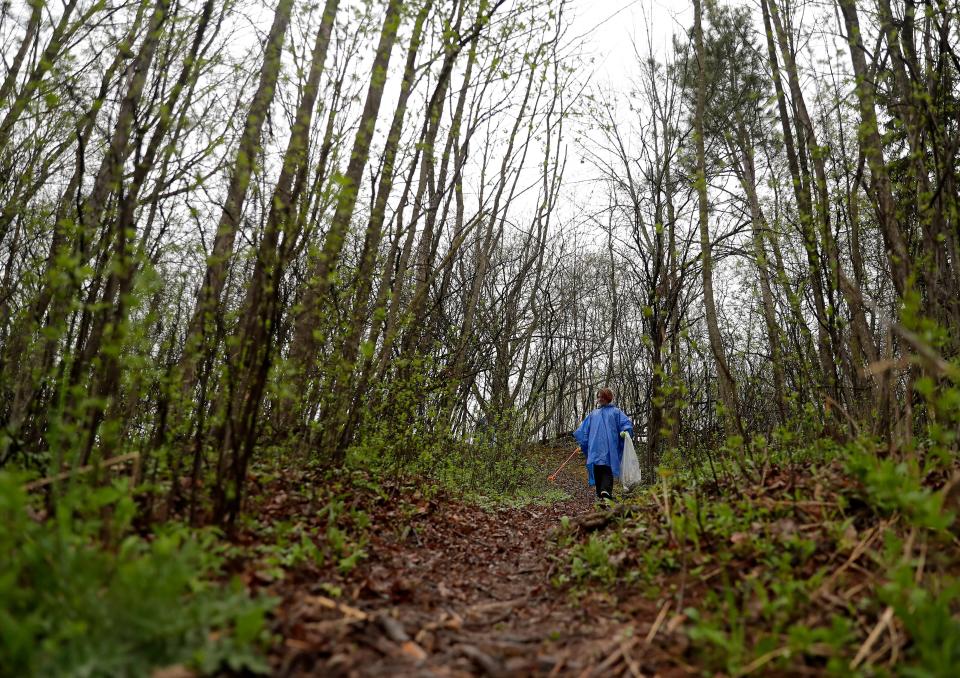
[(308, 525), (80, 595), (532, 496), (315, 524), (493, 464), (492, 470), (793, 562)]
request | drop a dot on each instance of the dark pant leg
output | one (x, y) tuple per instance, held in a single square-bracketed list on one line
[(603, 475), (608, 482)]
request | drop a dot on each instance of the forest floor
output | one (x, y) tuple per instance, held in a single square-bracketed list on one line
[(795, 568), (444, 587)]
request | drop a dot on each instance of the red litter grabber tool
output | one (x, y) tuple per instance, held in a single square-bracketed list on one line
[(553, 476)]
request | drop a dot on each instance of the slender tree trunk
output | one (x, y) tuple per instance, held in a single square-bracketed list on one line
[(872, 144), (110, 322), (796, 160), (200, 330), (51, 53), (13, 70), (759, 227), (55, 294), (252, 355), (728, 387), (304, 340), (921, 116), (338, 430)]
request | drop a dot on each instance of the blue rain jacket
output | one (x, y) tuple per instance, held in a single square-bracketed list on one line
[(599, 438)]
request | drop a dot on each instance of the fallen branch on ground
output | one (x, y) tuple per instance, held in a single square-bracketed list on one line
[(598, 520)]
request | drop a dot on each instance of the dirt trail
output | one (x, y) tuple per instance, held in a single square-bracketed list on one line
[(461, 591)]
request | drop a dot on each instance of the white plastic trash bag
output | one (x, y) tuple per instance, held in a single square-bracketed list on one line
[(630, 468)]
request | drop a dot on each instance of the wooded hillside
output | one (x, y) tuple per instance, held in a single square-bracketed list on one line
[(347, 251)]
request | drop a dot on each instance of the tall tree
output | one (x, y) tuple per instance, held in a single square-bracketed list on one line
[(201, 332), (727, 384)]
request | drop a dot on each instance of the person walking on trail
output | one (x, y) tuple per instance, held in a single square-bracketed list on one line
[(601, 437)]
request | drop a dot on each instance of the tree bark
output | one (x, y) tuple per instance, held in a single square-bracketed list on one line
[(252, 355), (200, 332), (728, 387), (872, 144)]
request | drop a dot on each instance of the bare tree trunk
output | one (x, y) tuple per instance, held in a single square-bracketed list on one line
[(200, 332), (872, 144), (107, 180), (13, 70), (109, 322), (252, 356), (29, 376), (728, 387), (796, 159), (338, 430), (304, 342), (919, 107), (51, 53), (759, 227)]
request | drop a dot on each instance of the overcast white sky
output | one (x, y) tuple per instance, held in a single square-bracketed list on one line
[(610, 27), (610, 31)]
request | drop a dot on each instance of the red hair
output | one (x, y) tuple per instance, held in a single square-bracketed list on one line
[(605, 395)]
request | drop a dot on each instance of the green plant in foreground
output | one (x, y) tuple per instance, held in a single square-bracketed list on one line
[(347, 552), (69, 606), (897, 486), (592, 559), (928, 615)]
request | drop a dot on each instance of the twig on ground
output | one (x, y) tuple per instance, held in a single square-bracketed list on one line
[(664, 609), (858, 551), (619, 651), (674, 623), (872, 638), (763, 660), (558, 667), (346, 610), (885, 648), (632, 666)]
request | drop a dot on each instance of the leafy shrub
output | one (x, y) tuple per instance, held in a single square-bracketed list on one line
[(69, 606), (397, 430), (402, 431), (897, 486)]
